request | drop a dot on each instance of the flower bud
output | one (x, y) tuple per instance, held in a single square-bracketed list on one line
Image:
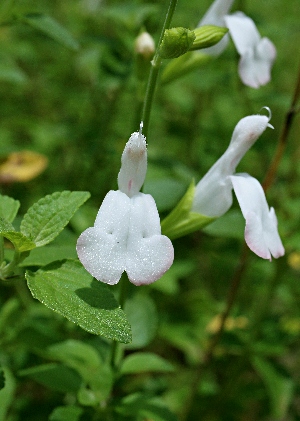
[(207, 36), (145, 46), (134, 164), (176, 42)]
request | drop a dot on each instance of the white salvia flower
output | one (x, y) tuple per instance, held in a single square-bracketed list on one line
[(126, 235), (261, 234), (257, 54), (213, 194)]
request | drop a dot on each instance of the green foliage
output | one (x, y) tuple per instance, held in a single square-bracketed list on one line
[(49, 26), (72, 91), (68, 289), (48, 217)]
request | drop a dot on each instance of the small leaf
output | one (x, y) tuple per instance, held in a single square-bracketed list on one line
[(55, 376), (66, 413), (52, 28), (8, 208), (149, 408), (7, 394), (145, 362), (20, 241), (48, 217), (67, 288), (142, 316), (87, 362), (280, 388)]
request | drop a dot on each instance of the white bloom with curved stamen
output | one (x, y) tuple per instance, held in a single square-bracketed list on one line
[(213, 193), (261, 233), (126, 235)]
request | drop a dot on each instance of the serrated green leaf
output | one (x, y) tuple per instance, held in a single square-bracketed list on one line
[(67, 288), (145, 362), (48, 217), (49, 26), (66, 413), (55, 376), (20, 241), (8, 208)]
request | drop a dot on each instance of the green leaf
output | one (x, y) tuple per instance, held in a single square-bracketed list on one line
[(145, 362), (152, 408), (87, 362), (45, 255), (48, 217), (142, 316), (67, 288), (66, 413), (280, 388), (20, 241), (7, 394), (55, 376), (8, 208), (49, 26)]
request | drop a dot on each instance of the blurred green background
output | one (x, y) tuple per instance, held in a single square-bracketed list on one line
[(74, 98)]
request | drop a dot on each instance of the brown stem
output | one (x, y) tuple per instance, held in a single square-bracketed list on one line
[(289, 117)]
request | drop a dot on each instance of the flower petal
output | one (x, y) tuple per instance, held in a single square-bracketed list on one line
[(242, 31), (102, 249), (261, 232), (213, 196), (215, 16), (255, 65), (257, 55), (149, 254), (134, 164)]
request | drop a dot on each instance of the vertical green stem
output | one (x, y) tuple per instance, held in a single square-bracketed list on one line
[(156, 62), (122, 298)]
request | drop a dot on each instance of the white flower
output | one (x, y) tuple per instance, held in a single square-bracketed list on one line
[(261, 234), (213, 194), (126, 235), (257, 54)]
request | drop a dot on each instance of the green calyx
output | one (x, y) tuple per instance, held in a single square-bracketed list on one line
[(207, 36), (182, 221), (176, 42)]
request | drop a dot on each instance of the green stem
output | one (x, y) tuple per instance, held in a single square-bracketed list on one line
[(9, 268), (156, 62), (115, 346)]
